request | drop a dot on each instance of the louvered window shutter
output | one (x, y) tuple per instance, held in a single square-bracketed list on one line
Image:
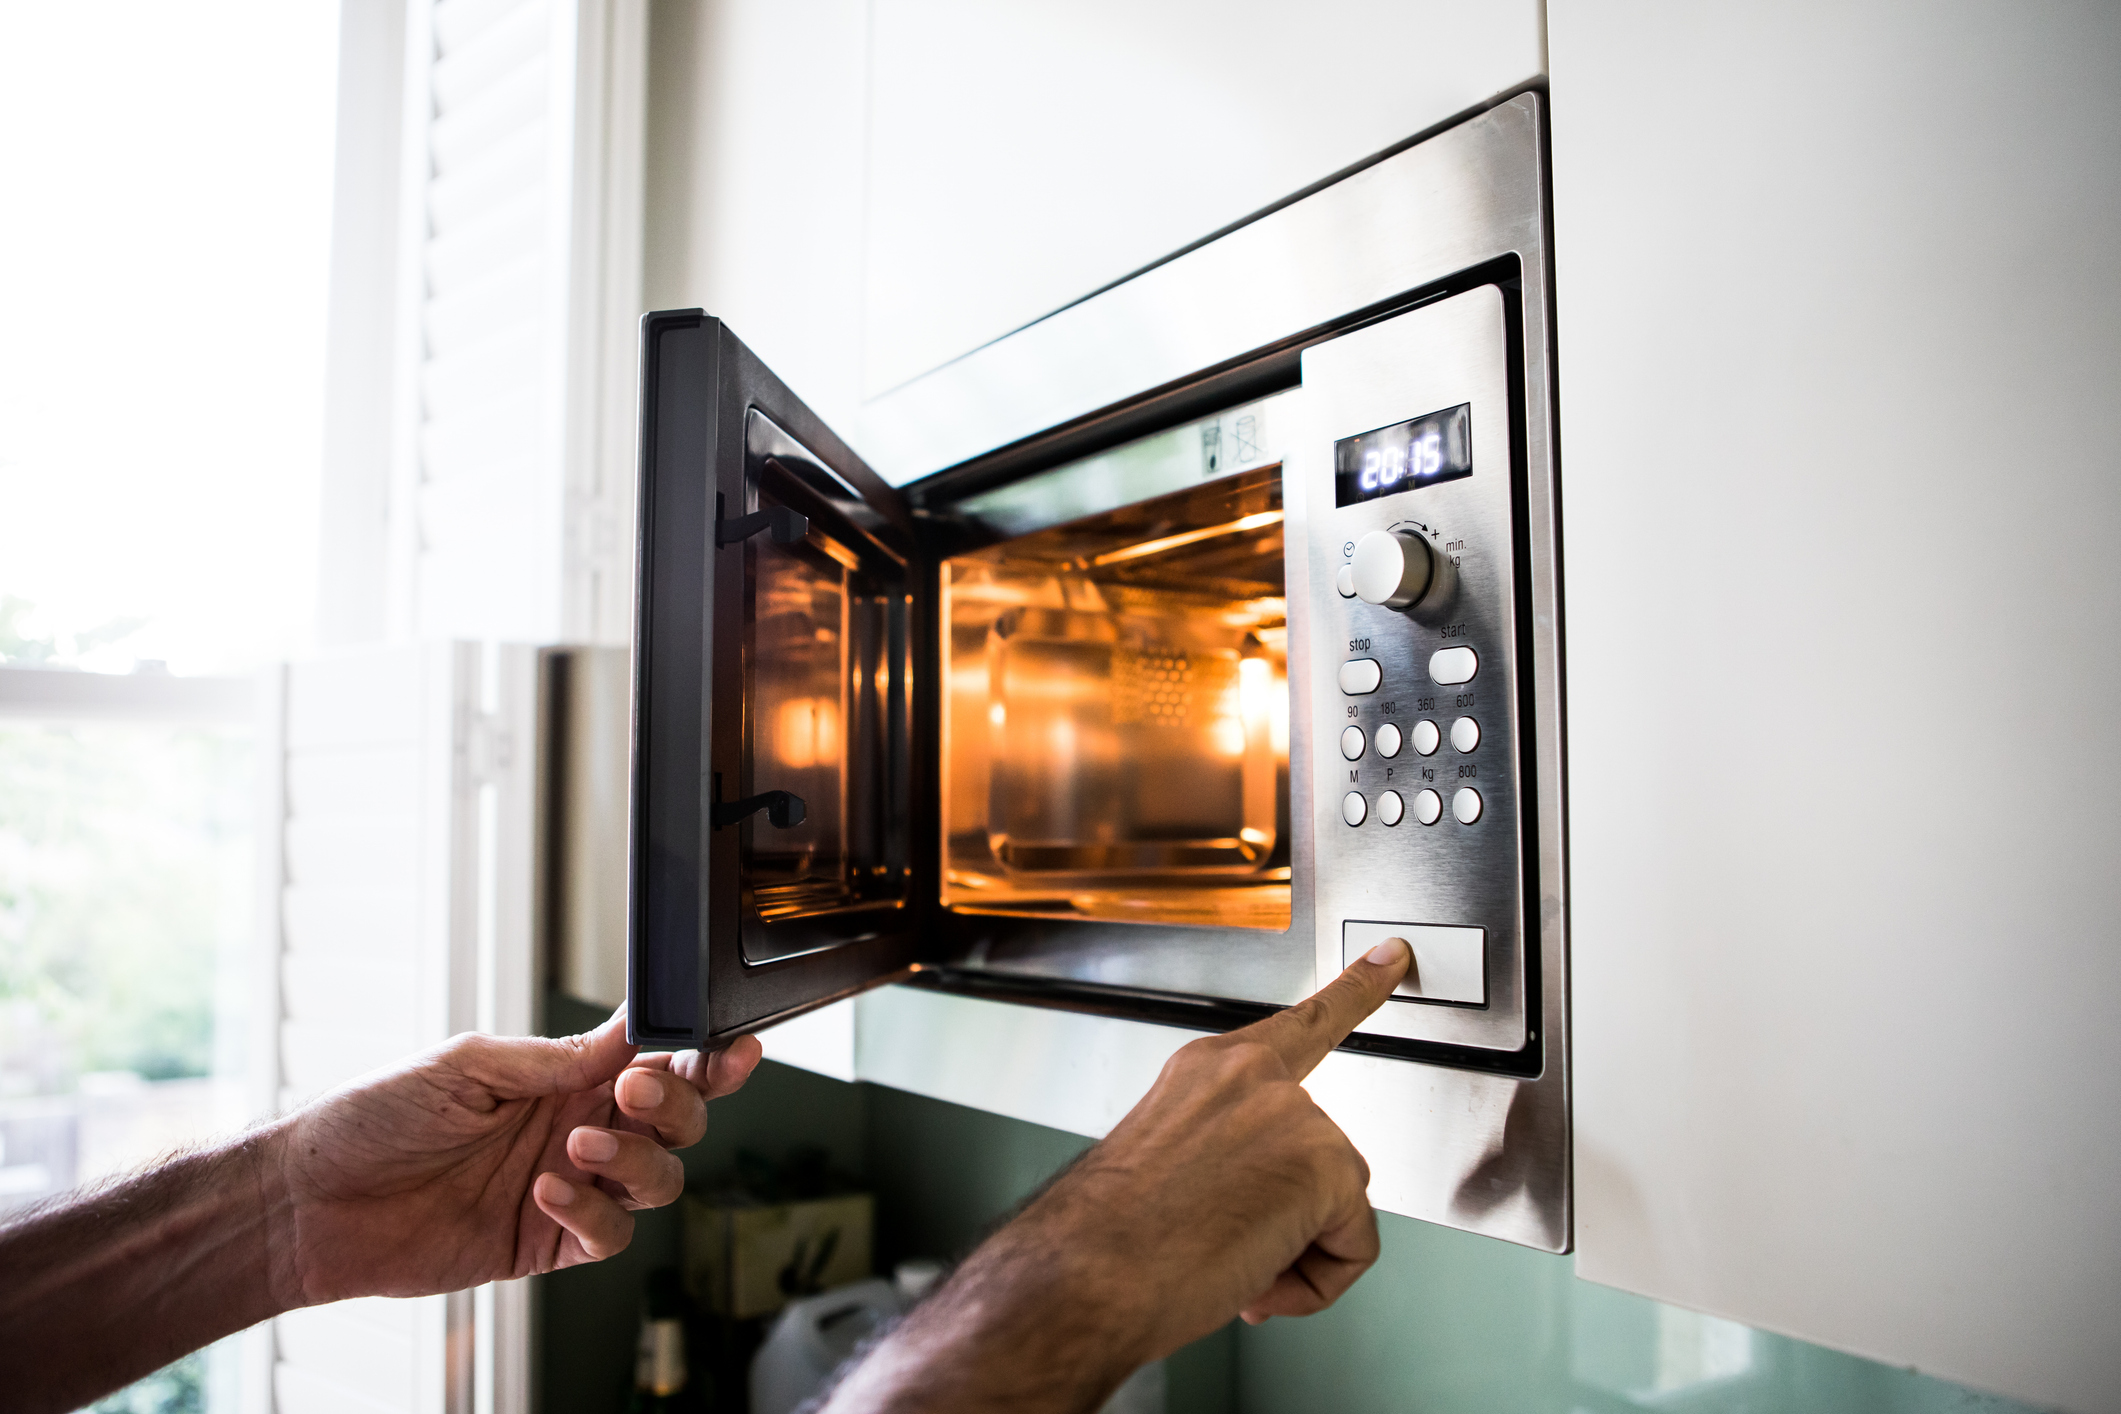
[(519, 281)]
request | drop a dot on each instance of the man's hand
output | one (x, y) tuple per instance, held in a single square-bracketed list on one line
[(488, 1158), (1225, 1192), (483, 1159)]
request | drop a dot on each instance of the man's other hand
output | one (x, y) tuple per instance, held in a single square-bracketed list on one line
[(1226, 1191), (1230, 1180), (485, 1158)]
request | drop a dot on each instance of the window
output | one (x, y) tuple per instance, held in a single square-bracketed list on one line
[(167, 173)]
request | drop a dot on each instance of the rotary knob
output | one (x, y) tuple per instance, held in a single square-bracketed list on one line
[(1394, 569)]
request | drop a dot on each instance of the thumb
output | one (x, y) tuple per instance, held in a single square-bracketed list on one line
[(520, 1067)]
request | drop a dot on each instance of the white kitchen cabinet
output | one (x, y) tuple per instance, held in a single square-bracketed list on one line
[(1023, 156), (1840, 339), (866, 192)]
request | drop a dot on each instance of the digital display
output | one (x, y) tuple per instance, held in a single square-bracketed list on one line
[(1418, 452)]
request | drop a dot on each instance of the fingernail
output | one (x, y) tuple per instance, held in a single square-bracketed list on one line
[(1387, 952), (556, 1190), (643, 1089), (593, 1146)]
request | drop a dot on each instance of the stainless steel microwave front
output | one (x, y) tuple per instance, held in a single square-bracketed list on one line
[(1152, 662)]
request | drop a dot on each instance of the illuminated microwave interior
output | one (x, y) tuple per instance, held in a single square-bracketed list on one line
[(1116, 721)]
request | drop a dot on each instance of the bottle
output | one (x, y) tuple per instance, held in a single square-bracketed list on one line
[(661, 1377)]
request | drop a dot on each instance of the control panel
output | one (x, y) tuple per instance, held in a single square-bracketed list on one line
[(1418, 814)]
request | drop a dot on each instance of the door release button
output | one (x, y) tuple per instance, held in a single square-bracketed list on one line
[(1362, 675), (1453, 665), (1450, 964), (1351, 743)]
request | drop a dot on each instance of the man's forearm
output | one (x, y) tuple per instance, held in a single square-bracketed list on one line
[(106, 1287), (1037, 1321)]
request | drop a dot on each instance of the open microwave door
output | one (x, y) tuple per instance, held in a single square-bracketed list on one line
[(774, 851)]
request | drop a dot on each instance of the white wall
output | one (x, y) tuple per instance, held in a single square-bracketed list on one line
[(867, 191), (1840, 347)]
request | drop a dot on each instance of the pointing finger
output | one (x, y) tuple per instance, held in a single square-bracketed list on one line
[(1303, 1034)]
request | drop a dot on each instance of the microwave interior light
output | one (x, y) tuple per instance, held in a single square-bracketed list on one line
[(1187, 537)]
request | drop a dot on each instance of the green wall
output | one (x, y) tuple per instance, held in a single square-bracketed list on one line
[(1444, 1322)]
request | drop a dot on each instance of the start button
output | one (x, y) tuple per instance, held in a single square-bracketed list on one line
[(1450, 963)]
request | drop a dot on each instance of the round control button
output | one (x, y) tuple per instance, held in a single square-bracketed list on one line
[(1428, 807), (1465, 806), (1392, 569), (1465, 734), (1390, 808), (1351, 743), (1388, 740), (1426, 738), (1345, 582), (1353, 808)]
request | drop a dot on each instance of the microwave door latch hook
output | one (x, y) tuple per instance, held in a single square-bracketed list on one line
[(784, 808), (788, 527)]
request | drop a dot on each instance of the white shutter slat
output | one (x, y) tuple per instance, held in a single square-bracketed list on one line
[(485, 119), (364, 921), (366, 699), (488, 55), (504, 364), (473, 311), (469, 249), (503, 172), (316, 1058), (503, 432), (484, 578), (347, 782), (457, 22), (365, 851), (326, 988)]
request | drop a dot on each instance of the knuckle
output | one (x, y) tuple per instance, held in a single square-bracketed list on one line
[(1255, 1061)]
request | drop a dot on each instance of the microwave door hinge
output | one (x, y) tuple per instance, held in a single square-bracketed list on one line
[(784, 808), (788, 527)]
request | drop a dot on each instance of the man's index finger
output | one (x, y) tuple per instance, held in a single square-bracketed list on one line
[(1303, 1035)]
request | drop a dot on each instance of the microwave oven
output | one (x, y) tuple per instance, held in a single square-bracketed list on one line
[(1152, 661)]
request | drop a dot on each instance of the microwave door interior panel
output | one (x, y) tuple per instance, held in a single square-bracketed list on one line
[(776, 834), (1157, 701)]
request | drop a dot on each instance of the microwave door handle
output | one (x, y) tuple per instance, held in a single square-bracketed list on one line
[(784, 808), (788, 527)]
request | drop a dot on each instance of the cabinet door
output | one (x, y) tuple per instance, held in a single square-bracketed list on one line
[(774, 848)]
